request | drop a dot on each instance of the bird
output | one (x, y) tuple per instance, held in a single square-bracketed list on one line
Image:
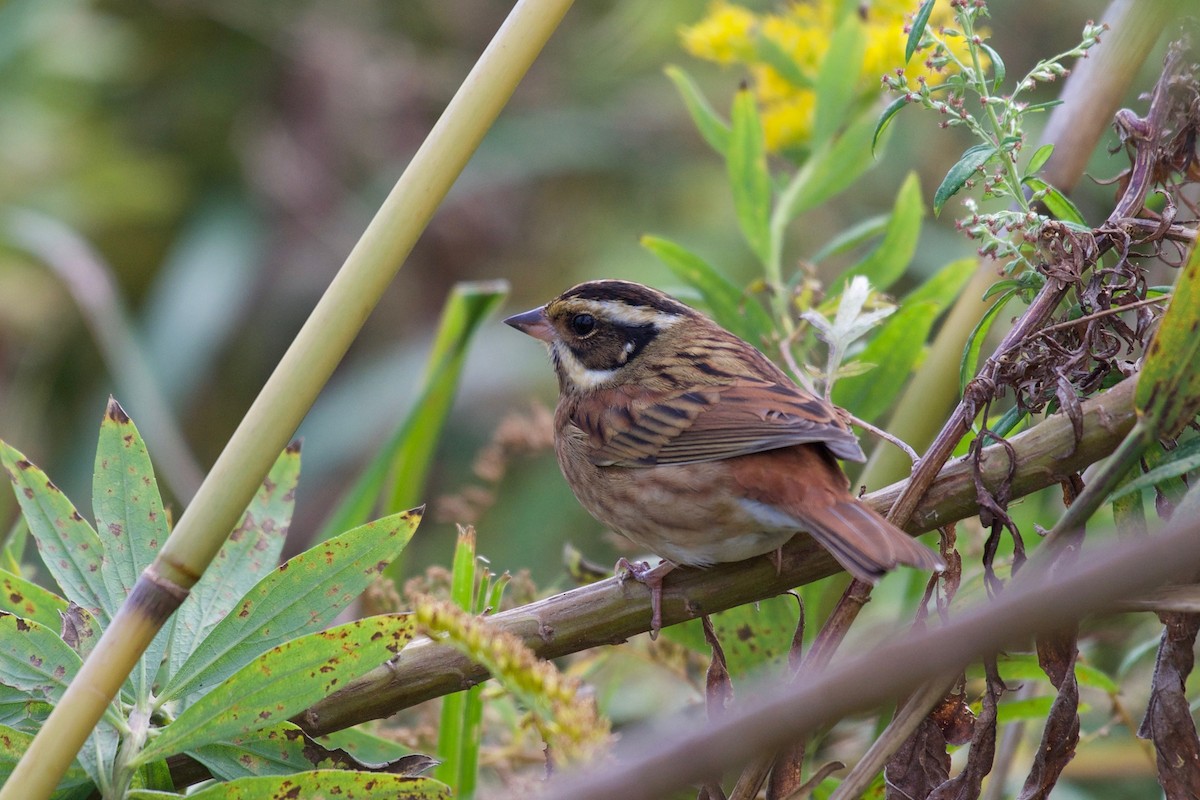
[(691, 443)]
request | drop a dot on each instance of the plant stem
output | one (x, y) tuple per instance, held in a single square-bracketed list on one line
[(288, 394)]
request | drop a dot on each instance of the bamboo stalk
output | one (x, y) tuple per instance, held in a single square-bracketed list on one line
[(288, 394)]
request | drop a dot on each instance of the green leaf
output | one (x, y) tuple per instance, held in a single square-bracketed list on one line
[(887, 262), (830, 169), (34, 659), (852, 237), (728, 304), (282, 682), (126, 501), (26, 599), (997, 67), (305, 593), (777, 58), (885, 119), (920, 21), (752, 636), (970, 359), (1046, 106), (1168, 391), (284, 749), (70, 549), (452, 743), (19, 710), (835, 89), (250, 552), (974, 158), (1039, 158), (895, 350), (713, 129), (1179, 461), (129, 513), (746, 165), (1024, 708), (318, 785), (398, 469), (364, 746), (74, 784), (944, 286), (1055, 201)]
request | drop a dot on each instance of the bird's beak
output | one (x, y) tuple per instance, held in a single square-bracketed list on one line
[(534, 323)]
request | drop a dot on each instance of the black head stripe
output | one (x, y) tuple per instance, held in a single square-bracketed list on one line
[(633, 294)]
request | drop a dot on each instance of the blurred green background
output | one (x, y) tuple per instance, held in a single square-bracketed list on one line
[(214, 161)]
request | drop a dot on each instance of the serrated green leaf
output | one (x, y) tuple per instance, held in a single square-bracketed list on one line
[(728, 305), (1168, 392), (885, 119), (884, 265), (326, 784), (75, 783), (68, 545), (1039, 158), (282, 682), (920, 21), (835, 88), (830, 169), (397, 471), (305, 593), (284, 749), (27, 599), (970, 162), (1056, 202), (746, 166), (251, 551), (998, 70), (970, 359), (34, 659), (895, 350), (1179, 461), (713, 129), (752, 636)]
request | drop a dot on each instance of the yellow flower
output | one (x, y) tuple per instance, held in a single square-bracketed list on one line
[(724, 36), (801, 30)]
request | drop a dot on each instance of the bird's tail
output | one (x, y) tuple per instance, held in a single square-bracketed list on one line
[(865, 543)]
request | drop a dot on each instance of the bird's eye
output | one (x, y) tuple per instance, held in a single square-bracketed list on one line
[(583, 324)]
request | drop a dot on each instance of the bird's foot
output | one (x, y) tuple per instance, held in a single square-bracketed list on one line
[(652, 579)]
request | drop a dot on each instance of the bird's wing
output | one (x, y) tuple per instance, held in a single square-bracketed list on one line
[(748, 415)]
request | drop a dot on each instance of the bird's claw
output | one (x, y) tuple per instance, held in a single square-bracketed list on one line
[(652, 579)]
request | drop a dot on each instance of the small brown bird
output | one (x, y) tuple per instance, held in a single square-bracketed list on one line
[(691, 443)]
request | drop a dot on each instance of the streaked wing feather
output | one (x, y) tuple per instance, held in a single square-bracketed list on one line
[(711, 423)]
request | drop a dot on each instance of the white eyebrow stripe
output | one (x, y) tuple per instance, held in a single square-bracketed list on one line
[(625, 314)]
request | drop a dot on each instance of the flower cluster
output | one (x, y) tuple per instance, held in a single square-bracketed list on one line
[(564, 716), (786, 51)]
